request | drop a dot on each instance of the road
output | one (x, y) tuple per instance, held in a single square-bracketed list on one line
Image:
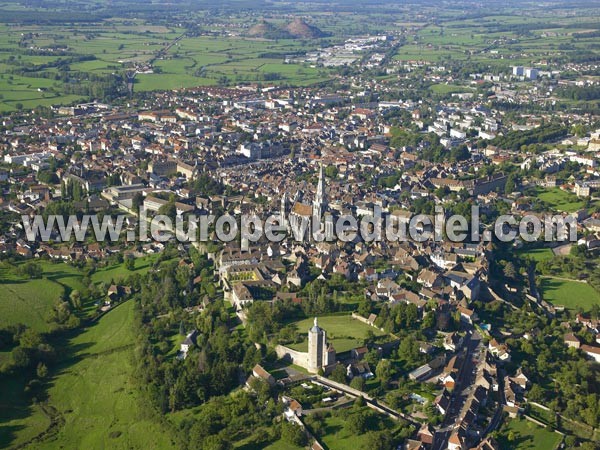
[(464, 384)]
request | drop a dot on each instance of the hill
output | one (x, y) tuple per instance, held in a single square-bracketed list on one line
[(268, 30), (298, 28)]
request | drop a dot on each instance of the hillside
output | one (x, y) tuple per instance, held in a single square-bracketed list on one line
[(297, 29), (267, 30), (300, 29)]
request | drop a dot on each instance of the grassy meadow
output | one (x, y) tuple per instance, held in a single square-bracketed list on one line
[(27, 301), (92, 395), (91, 400), (344, 332), (570, 294), (528, 436), (536, 254)]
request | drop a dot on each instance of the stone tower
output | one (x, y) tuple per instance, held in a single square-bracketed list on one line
[(320, 354)]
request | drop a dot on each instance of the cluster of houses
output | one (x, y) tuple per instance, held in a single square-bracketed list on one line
[(298, 152)]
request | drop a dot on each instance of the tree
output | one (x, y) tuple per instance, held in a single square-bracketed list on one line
[(381, 440), (509, 270), (511, 436), (130, 263), (331, 171), (338, 374), (511, 184), (75, 298), (358, 383), (578, 251), (30, 270), (216, 443), (20, 357), (384, 371), (42, 370), (356, 423), (293, 434)]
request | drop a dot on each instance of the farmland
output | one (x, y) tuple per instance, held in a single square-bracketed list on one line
[(493, 39), (59, 55), (42, 63)]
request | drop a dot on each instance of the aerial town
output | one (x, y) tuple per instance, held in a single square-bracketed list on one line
[(303, 343)]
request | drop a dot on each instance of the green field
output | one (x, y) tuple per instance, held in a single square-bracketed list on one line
[(118, 272), (117, 45), (558, 199), (27, 301), (528, 436), (91, 393), (570, 294), (343, 331), (448, 89), (336, 435), (536, 254), (495, 40)]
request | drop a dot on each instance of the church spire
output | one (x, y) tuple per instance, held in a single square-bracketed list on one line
[(320, 202)]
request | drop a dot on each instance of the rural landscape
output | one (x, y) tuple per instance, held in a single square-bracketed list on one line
[(141, 334)]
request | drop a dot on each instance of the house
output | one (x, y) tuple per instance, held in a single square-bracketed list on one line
[(512, 411), (592, 324), (116, 293), (294, 409), (359, 369), (241, 295), (467, 315), (189, 342), (500, 351), (520, 379), (456, 442), (426, 434), (371, 319), (452, 341), (442, 402), (572, 341), (420, 373), (411, 444), (359, 353), (591, 352), (511, 392), (448, 380), (451, 372), (259, 372), (429, 278)]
